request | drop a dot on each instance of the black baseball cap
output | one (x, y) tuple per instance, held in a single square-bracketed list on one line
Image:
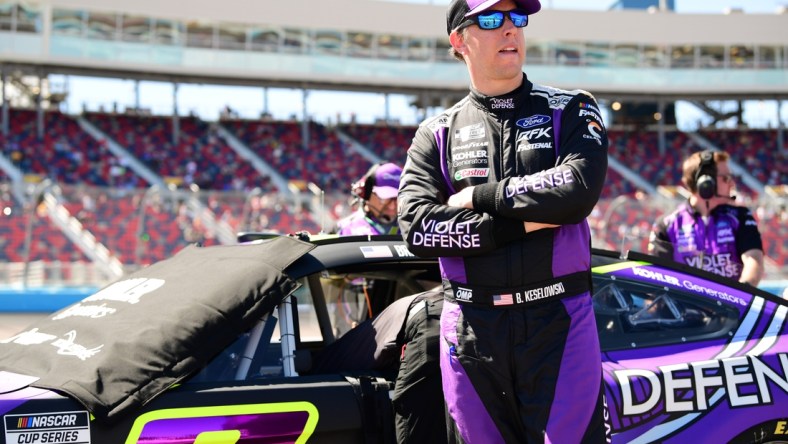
[(459, 10)]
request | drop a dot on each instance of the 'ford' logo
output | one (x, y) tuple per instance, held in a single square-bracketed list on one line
[(528, 122)]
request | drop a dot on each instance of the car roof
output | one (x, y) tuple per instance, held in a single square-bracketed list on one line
[(335, 251)]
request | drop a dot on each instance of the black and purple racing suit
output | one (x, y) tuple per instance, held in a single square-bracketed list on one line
[(520, 356)]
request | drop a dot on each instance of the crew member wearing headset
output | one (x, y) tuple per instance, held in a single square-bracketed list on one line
[(377, 196), (417, 397), (708, 231)]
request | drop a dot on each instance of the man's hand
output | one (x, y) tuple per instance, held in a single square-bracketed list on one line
[(463, 199)]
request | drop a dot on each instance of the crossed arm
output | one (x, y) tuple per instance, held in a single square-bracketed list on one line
[(464, 199)]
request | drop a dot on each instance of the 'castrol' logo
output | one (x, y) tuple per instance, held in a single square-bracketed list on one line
[(471, 172)]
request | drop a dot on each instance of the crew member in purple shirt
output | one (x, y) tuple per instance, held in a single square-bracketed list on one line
[(708, 231), (377, 212)]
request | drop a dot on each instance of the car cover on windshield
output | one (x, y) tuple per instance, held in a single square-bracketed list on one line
[(120, 347)]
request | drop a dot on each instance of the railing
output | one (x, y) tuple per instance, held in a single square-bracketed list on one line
[(143, 227), (57, 273), (28, 19)]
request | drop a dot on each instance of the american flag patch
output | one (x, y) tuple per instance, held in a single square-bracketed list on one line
[(503, 299), (376, 251)]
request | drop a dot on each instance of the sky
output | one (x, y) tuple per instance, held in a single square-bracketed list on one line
[(326, 106), (685, 6), (696, 6)]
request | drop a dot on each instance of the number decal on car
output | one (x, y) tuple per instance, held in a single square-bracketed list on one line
[(288, 421)]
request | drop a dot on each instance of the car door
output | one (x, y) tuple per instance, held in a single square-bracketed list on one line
[(686, 356)]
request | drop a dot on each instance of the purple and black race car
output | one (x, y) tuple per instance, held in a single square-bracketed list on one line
[(225, 345)]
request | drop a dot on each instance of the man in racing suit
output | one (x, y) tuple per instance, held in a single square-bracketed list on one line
[(498, 187), (708, 232)]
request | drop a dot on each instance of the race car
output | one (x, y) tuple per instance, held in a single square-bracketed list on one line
[(227, 344)]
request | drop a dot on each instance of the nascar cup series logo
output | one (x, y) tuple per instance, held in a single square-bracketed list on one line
[(50, 428), (584, 105)]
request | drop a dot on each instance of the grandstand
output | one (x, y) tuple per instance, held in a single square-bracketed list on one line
[(88, 196)]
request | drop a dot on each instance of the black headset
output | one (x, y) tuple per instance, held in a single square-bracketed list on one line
[(706, 176), (363, 188)]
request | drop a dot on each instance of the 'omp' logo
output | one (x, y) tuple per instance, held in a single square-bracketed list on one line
[(464, 294)]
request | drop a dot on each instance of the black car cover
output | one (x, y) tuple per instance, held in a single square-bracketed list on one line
[(120, 347)]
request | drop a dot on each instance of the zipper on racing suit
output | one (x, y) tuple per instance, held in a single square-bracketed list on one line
[(503, 140)]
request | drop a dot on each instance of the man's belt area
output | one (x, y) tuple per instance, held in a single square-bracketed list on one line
[(550, 289)]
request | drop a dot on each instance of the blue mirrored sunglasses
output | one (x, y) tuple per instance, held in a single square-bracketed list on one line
[(494, 19)]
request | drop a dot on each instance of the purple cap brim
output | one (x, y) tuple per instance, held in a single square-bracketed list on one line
[(385, 192), (530, 6), (460, 10)]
